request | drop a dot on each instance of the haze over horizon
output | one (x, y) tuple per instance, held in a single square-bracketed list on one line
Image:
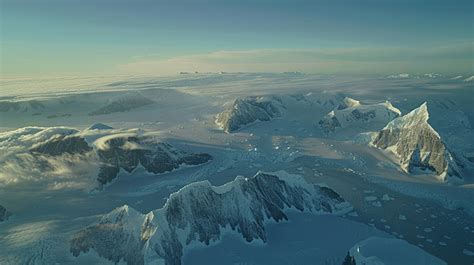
[(55, 38)]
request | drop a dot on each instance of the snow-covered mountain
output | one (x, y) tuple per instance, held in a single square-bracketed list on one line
[(388, 251), (125, 103), (417, 144), (99, 126), (129, 151), (62, 152), (352, 113), (246, 110), (200, 213)]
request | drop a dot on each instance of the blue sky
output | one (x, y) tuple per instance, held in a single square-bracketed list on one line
[(90, 37)]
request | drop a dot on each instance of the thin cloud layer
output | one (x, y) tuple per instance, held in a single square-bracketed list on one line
[(444, 59)]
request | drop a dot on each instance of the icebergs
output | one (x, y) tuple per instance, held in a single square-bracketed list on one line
[(200, 213), (352, 113), (389, 251), (244, 111), (417, 144)]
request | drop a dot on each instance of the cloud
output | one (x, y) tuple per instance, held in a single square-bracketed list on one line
[(450, 58), (18, 166)]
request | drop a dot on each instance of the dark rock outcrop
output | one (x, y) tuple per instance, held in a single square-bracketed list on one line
[(130, 151), (349, 260), (4, 214), (62, 144)]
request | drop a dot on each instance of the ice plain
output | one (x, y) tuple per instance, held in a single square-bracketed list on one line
[(438, 216)]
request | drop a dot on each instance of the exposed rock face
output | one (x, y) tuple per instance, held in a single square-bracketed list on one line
[(62, 144), (247, 110), (329, 123), (417, 144), (127, 152), (349, 260), (123, 104), (352, 113), (377, 250), (201, 213), (4, 214)]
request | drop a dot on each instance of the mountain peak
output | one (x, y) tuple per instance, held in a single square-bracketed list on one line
[(351, 112), (99, 126), (415, 117), (348, 102), (417, 144)]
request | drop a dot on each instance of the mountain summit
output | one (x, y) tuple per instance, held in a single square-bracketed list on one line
[(417, 144)]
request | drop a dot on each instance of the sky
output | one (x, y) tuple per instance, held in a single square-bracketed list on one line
[(97, 37)]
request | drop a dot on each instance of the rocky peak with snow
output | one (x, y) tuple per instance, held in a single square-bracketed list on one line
[(62, 144), (201, 214), (417, 144), (348, 103), (99, 126), (128, 152), (352, 113), (246, 110)]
